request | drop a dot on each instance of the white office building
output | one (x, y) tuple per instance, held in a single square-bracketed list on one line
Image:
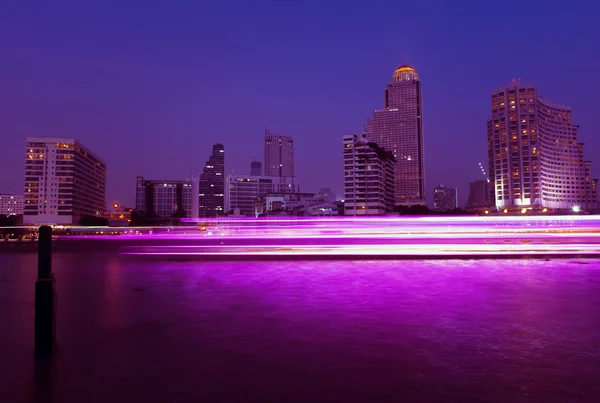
[(241, 192), (64, 181), (368, 177), (535, 158)]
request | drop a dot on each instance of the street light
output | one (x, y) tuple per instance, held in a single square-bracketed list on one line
[(576, 209)]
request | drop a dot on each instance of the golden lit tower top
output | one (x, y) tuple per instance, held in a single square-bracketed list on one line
[(405, 73)]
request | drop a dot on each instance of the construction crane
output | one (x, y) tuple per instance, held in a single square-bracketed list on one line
[(483, 172)]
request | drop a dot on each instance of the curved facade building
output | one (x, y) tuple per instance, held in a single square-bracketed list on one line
[(535, 160)]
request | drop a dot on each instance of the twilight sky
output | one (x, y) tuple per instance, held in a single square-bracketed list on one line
[(150, 85)]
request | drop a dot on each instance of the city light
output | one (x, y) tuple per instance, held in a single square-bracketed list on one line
[(576, 209), (356, 238)]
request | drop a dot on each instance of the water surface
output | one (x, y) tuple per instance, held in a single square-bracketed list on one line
[(392, 331)]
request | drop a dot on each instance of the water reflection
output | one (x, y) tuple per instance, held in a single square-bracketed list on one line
[(313, 331)]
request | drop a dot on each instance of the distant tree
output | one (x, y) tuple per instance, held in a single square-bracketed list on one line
[(412, 210), (459, 211), (11, 220), (180, 213), (136, 218), (7, 224), (141, 218), (340, 207), (93, 221)]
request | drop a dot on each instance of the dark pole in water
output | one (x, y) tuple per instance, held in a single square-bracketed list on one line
[(44, 295)]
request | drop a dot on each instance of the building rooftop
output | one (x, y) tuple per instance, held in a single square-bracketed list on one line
[(403, 68)]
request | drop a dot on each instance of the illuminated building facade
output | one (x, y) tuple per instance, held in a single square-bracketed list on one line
[(164, 198), (368, 177), (212, 184), (64, 181), (241, 192), (11, 204), (279, 155), (445, 198), (535, 160), (399, 129)]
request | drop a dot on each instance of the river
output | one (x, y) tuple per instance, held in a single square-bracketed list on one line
[(304, 331)]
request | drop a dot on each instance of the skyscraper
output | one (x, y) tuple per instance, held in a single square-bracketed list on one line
[(279, 155), (64, 181), (399, 129), (212, 184), (445, 198), (534, 157)]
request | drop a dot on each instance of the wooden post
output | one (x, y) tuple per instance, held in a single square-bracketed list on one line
[(44, 295)]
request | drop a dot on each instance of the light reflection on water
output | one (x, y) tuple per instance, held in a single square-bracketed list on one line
[(310, 331)]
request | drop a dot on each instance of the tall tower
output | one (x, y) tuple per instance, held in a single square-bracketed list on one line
[(399, 129), (212, 184), (535, 160), (279, 155)]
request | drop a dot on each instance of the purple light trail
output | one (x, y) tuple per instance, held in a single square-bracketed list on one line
[(345, 238)]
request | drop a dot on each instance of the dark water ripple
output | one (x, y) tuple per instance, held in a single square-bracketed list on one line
[(443, 331)]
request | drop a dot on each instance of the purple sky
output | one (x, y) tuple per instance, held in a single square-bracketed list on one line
[(149, 86)]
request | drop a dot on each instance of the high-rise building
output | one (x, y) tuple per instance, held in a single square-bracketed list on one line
[(195, 203), (399, 129), (368, 177), (255, 168), (535, 159), (479, 195), (279, 155), (445, 198), (212, 184), (64, 181), (164, 198), (11, 204)]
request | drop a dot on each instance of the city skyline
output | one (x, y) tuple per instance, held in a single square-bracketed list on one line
[(163, 103)]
